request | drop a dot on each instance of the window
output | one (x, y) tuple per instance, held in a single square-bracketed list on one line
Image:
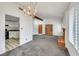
[(74, 26), (71, 26), (77, 27)]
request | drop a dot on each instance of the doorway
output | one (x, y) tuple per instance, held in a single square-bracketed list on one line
[(11, 32), (64, 33), (48, 29)]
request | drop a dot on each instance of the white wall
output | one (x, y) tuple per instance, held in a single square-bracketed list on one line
[(25, 24), (57, 29), (2, 33), (36, 22), (68, 32)]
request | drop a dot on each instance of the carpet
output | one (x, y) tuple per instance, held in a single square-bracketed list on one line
[(41, 45)]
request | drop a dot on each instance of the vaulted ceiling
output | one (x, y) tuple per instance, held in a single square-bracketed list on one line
[(50, 9)]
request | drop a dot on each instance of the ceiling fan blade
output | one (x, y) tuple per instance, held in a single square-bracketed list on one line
[(38, 18), (21, 8)]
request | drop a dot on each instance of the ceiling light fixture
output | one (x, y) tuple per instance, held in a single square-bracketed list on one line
[(30, 10)]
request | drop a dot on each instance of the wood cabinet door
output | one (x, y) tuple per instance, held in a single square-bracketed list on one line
[(40, 28), (48, 29)]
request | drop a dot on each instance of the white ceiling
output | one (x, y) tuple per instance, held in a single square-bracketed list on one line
[(50, 9)]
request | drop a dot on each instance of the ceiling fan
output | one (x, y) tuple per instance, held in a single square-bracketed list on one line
[(31, 12)]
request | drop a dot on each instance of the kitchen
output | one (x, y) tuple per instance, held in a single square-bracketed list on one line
[(11, 32)]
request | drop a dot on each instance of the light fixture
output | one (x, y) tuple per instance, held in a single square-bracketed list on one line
[(31, 9)]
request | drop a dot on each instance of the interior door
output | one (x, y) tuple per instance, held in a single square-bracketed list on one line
[(40, 28), (64, 33), (48, 29)]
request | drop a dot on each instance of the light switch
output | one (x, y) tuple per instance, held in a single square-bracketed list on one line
[(21, 28)]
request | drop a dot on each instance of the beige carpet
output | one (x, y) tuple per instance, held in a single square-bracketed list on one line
[(11, 44)]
